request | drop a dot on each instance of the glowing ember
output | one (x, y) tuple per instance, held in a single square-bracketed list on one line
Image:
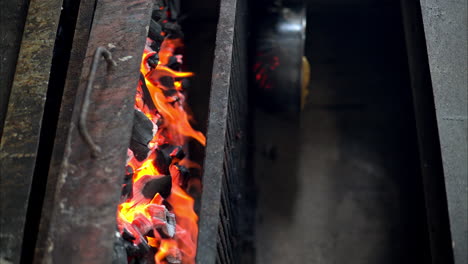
[(156, 210)]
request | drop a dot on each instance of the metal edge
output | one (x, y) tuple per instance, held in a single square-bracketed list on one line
[(216, 135), (20, 138)]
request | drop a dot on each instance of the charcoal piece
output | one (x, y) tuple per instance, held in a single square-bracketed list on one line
[(174, 256), (156, 44), (153, 60), (157, 14), (147, 258), (168, 205), (174, 7), (127, 183), (163, 220), (150, 233), (183, 173), (128, 171), (140, 151), (170, 92), (155, 31), (146, 94), (141, 224), (142, 134), (171, 27), (161, 185), (165, 155), (143, 247), (142, 131), (127, 189), (120, 253), (167, 82), (170, 228), (173, 30), (159, 3), (127, 235), (131, 249), (162, 162), (173, 63), (176, 153)]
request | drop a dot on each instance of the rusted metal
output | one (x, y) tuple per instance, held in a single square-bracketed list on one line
[(100, 51), (20, 136), (82, 223), (12, 18), (77, 55), (224, 166)]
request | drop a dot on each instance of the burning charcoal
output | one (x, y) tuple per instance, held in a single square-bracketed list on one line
[(120, 253), (165, 155), (161, 184), (147, 259), (174, 30), (142, 224), (127, 189), (174, 8), (129, 172), (173, 63), (146, 93), (171, 225), (131, 249), (157, 14), (142, 133), (140, 151), (155, 30), (180, 172), (127, 235), (153, 60), (159, 10), (128, 183), (162, 220), (174, 256), (156, 45), (143, 247), (169, 93), (167, 82)]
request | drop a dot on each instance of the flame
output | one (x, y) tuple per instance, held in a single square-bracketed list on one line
[(136, 213)]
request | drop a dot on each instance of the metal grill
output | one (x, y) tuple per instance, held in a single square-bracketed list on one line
[(225, 180)]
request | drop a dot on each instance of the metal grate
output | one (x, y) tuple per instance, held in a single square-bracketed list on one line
[(225, 170)]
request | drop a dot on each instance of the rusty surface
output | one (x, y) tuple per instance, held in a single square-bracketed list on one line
[(82, 223), (77, 56), (12, 19), (19, 141), (214, 174)]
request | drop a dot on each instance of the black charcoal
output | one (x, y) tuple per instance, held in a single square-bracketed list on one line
[(161, 184), (127, 235), (120, 253)]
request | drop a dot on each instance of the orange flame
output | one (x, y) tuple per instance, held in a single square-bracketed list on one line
[(136, 214)]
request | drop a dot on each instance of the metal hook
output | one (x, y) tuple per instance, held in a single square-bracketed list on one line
[(100, 51)]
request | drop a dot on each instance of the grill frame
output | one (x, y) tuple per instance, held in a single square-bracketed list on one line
[(224, 229)]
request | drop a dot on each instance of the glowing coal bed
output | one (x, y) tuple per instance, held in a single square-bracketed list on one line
[(156, 218)]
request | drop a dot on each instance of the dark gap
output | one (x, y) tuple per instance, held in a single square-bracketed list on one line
[(60, 59)]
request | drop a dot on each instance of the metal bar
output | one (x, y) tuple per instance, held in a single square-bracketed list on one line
[(12, 19), (20, 138), (77, 56), (428, 138), (81, 227), (216, 135), (445, 24)]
